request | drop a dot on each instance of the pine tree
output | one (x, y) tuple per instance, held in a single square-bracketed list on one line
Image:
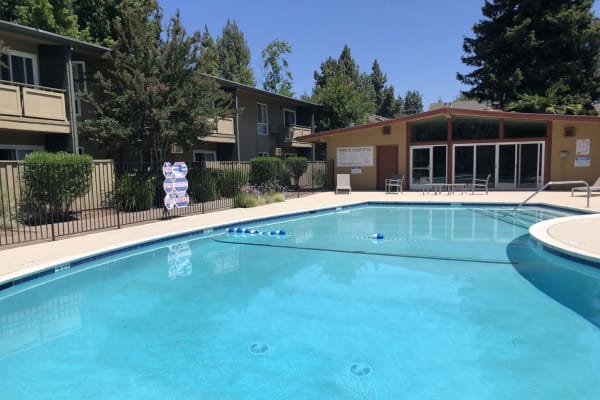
[(278, 78), (536, 56), (209, 57), (413, 102), (234, 55), (378, 81)]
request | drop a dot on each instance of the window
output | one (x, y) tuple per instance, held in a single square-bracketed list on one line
[(433, 130), (79, 84), (289, 117), (205, 155), (263, 154), (17, 152), (262, 124), (19, 67)]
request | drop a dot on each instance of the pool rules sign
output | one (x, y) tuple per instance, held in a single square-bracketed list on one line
[(175, 185)]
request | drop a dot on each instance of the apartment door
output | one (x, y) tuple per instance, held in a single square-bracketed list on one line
[(387, 164)]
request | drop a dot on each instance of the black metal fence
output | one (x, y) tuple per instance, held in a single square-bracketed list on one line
[(48, 202)]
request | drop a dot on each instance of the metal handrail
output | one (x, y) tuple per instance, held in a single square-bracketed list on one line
[(558, 183)]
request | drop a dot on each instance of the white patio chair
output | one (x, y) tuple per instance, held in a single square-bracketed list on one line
[(343, 183)]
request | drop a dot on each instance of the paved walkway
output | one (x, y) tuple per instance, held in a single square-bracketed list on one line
[(575, 235)]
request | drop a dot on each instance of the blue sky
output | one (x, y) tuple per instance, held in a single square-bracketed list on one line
[(418, 44)]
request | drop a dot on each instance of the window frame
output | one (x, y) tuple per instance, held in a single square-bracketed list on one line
[(264, 125), (290, 111), (34, 65), (19, 148), (77, 92), (204, 152)]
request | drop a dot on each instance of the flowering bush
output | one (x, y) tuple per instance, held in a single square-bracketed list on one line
[(255, 195)]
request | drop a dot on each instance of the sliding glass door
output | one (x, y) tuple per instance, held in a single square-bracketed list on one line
[(428, 165), (511, 165)]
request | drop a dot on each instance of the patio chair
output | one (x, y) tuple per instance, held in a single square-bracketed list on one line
[(394, 184), (481, 183), (343, 183), (592, 188)]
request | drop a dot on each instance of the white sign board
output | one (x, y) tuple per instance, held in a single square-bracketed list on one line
[(355, 156), (582, 147), (582, 161)]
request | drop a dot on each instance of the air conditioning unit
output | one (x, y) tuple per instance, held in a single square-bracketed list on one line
[(278, 151), (176, 149)]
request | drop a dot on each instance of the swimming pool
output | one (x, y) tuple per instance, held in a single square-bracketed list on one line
[(450, 302)]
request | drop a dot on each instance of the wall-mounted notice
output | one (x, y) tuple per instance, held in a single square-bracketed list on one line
[(582, 161), (582, 147), (355, 156)]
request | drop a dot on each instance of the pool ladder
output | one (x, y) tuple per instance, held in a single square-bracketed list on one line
[(558, 183)]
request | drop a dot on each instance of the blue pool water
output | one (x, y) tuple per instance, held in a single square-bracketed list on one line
[(452, 303)]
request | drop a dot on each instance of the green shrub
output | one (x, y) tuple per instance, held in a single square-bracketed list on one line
[(297, 166), (232, 180), (204, 184), (134, 191), (268, 169), (51, 182)]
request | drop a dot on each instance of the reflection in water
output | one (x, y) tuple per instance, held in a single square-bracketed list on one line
[(573, 285), (179, 260), (25, 325)]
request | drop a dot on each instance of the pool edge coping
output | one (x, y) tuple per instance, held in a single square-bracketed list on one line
[(48, 268)]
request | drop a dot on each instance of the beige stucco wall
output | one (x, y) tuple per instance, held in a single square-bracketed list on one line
[(367, 179), (563, 168)]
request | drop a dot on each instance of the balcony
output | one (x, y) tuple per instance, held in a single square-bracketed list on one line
[(224, 132), (291, 133), (32, 108)]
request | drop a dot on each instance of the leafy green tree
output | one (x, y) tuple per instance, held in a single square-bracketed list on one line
[(413, 102), (57, 16), (95, 19), (278, 78), (344, 94), (234, 55), (153, 93), (527, 50)]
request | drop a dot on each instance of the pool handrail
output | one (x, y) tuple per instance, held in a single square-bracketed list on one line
[(557, 183)]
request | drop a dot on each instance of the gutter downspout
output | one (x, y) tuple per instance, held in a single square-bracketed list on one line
[(236, 125), (71, 94)]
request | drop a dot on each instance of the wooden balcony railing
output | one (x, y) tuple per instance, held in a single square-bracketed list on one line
[(224, 132), (291, 133), (32, 108)]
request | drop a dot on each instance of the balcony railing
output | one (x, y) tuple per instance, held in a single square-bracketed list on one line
[(32, 108), (291, 133), (224, 132)]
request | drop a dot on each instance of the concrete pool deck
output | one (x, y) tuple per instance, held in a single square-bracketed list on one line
[(578, 235)]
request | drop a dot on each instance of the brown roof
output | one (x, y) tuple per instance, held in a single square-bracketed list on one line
[(449, 112)]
